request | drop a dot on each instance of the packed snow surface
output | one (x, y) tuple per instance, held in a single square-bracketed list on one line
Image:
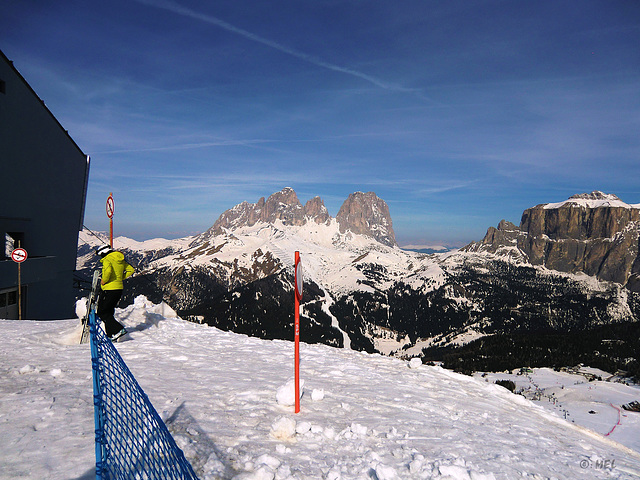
[(362, 416), (583, 397)]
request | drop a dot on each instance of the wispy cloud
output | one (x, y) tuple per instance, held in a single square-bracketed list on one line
[(251, 142), (187, 12), (187, 146)]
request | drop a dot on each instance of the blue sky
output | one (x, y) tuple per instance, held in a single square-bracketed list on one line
[(457, 113)]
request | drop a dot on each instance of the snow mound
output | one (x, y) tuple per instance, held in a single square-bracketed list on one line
[(286, 394), (81, 307), (284, 428), (71, 336), (415, 363)]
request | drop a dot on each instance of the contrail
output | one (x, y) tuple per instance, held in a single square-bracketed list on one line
[(187, 12), (188, 146)]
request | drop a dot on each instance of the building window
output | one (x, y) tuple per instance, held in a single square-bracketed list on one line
[(9, 305), (8, 298), (3, 86), (12, 240), (9, 242)]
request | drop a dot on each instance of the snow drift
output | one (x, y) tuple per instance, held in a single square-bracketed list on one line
[(363, 416)]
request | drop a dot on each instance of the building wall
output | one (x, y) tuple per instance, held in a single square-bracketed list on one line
[(44, 177)]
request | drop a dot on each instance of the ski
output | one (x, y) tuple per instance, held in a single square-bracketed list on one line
[(91, 305)]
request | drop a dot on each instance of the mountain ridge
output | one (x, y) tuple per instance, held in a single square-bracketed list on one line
[(362, 292), (361, 213), (593, 233)]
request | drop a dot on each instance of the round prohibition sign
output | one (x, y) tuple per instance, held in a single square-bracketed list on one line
[(111, 206), (19, 255)]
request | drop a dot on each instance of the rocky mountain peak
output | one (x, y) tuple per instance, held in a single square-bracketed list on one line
[(361, 213), (595, 233), (595, 195), (595, 199), (367, 214), (285, 206), (586, 216), (316, 210)]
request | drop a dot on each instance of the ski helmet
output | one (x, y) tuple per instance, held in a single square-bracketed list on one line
[(104, 250)]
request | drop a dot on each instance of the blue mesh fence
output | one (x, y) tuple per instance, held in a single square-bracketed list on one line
[(132, 441)]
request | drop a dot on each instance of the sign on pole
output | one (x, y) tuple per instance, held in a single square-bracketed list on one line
[(298, 287), (299, 278), (19, 255), (111, 208)]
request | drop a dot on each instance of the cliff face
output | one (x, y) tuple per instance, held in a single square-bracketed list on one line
[(578, 220), (283, 205), (316, 210), (367, 214), (593, 233)]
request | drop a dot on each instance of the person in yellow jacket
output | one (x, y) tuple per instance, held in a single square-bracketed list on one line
[(114, 270)]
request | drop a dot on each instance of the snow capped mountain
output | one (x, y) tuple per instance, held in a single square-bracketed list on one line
[(331, 257), (595, 199), (251, 241), (361, 213), (362, 291), (282, 206), (138, 253), (595, 233), (248, 254)]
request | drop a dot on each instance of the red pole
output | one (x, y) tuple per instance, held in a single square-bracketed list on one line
[(297, 338)]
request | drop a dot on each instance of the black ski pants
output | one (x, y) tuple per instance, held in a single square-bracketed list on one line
[(106, 308)]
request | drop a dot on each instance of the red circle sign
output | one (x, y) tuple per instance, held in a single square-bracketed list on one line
[(19, 255), (111, 207)]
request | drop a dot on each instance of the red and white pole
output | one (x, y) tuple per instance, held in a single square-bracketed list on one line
[(111, 207), (298, 295)]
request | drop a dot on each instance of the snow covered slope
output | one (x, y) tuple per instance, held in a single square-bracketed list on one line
[(594, 404), (330, 258), (594, 199), (363, 416)]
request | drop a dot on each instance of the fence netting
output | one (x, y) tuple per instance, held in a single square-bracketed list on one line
[(132, 441)]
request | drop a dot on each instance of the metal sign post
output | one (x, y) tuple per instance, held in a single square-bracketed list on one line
[(19, 255), (111, 208), (298, 286)]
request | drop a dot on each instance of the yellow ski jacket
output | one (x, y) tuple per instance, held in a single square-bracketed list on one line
[(114, 270)]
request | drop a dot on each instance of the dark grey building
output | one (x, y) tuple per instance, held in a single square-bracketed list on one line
[(42, 197)]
